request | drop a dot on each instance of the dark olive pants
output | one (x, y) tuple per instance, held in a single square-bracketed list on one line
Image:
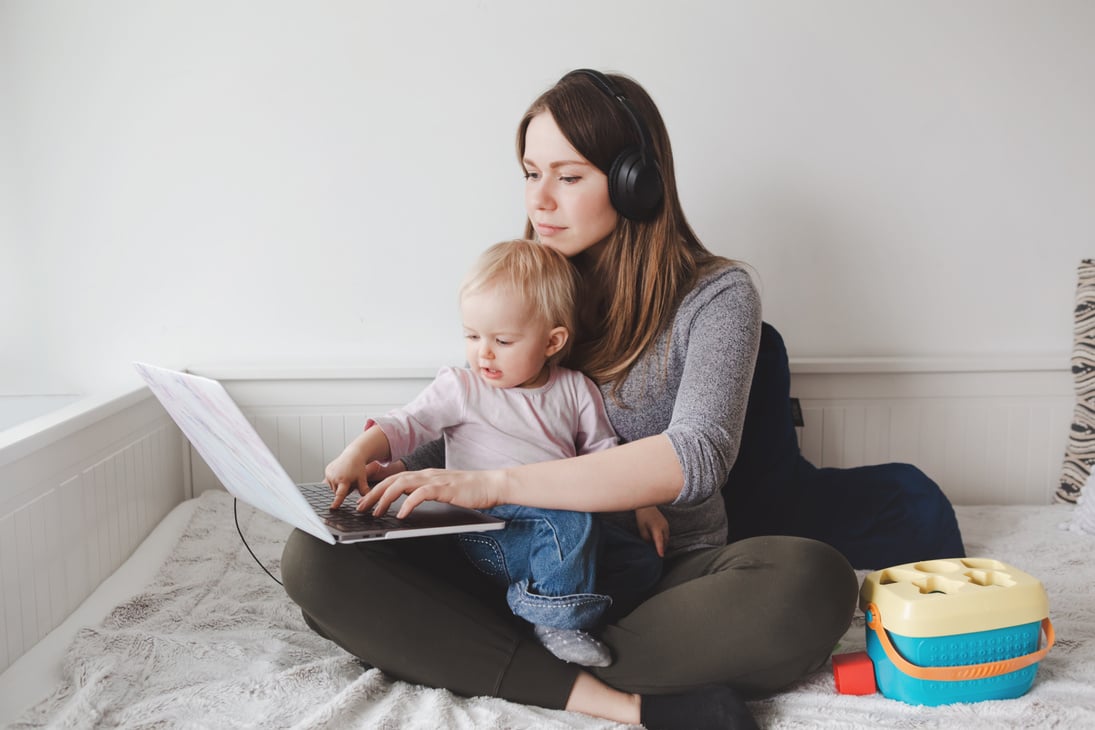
[(757, 615)]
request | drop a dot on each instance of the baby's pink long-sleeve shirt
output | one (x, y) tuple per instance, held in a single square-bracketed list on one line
[(485, 427)]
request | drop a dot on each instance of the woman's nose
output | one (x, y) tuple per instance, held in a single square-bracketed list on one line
[(539, 196)]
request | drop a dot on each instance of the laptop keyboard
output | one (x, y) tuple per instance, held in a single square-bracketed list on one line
[(345, 517)]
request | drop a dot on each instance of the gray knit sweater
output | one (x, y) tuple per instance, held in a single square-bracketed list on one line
[(697, 397)]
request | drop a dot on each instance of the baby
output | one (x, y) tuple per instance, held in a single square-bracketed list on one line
[(512, 404)]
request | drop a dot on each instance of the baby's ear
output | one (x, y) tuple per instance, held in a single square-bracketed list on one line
[(557, 339)]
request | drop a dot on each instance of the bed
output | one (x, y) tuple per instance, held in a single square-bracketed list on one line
[(191, 632)]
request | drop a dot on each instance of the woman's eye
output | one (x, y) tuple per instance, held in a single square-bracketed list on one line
[(568, 179), (530, 175)]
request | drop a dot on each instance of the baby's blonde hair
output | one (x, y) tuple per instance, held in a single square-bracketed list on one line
[(542, 276)]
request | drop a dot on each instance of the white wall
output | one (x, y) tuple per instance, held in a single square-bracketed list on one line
[(21, 342), (198, 181)]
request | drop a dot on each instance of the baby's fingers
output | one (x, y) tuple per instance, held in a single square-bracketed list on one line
[(661, 540), (342, 490)]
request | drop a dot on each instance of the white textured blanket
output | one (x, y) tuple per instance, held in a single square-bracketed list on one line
[(214, 642)]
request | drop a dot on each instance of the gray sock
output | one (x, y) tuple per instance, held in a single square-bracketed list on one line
[(574, 646)]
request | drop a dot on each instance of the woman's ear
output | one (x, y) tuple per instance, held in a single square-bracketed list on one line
[(557, 339)]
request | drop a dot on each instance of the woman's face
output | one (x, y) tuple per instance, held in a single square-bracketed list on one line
[(566, 196)]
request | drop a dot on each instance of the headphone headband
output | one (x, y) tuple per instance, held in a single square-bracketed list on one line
[(610, 89), (634, 180)]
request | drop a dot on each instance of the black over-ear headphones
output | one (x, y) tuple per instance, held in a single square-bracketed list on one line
[(634, 180)]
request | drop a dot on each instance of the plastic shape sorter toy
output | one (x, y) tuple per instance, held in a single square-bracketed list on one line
[(954, 630)]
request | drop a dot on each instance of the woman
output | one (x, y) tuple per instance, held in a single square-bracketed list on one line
[(669, 332)]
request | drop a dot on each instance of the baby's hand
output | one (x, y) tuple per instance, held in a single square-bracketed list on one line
[(347, 473), (653, 527)]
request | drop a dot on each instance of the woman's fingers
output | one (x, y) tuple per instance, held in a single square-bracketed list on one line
[(464, 488), (380, 497), (415, 498), (397, 486)]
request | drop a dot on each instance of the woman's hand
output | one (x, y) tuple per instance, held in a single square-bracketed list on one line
[(653, 527), (474, 489)]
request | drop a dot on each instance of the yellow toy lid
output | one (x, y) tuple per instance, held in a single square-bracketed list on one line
[(953, 596)]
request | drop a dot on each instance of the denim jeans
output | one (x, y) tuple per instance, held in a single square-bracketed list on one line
[(547, 559)]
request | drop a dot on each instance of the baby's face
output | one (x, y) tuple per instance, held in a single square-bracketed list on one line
[(505, 345)]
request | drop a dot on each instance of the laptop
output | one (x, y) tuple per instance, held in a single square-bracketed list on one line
[(247, 468)]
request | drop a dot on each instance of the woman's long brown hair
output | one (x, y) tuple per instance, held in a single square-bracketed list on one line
[(633, 282)]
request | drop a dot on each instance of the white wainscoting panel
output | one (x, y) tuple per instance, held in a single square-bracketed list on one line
[(985, 436), (988, 431), (307, 417), (73, 510)]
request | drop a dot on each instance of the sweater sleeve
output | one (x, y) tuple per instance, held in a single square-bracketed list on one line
[(430, 455), (720, 339)]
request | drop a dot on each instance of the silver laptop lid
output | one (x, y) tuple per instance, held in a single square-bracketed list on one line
[(231, 447)]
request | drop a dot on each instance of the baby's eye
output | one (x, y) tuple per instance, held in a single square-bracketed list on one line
[(471, 337), (504, 342)]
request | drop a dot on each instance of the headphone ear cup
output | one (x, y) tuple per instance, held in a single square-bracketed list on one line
[(634, 187)]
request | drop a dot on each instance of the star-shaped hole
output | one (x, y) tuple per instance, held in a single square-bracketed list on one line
[(990, 578)]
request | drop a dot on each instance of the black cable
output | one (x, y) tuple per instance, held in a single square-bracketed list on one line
[(236, 516)]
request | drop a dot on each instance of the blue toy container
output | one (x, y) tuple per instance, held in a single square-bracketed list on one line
[(961, 630)]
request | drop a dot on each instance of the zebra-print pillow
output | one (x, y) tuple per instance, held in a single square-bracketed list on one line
[(1080, 452)]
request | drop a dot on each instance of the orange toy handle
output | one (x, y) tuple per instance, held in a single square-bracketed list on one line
[(957, 673)]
